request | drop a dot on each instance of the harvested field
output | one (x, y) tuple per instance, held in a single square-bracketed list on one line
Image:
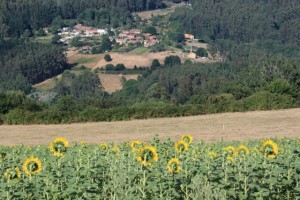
[(131, 60), (112, 82), (159, 12), (197, 44), (215, 127), (87, 60)]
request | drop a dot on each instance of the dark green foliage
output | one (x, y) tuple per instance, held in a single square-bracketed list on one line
[(158, 48), (16, 100), (107, 58), (24, 63), (120, 67), (56, 39), (201, 52), (151, 30), (268, 23), (106, 44), (40, 32), (84, 85), (16, 16), (155, 64), (172, 60), (76, 42)]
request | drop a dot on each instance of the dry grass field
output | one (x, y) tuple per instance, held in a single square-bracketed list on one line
[(215, 127), (88, 60), (159, 12), (112, 82), (131, 60)]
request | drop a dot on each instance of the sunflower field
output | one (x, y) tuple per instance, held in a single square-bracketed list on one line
[(261, 169)]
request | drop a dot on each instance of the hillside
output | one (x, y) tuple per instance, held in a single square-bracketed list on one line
[(215, 127)]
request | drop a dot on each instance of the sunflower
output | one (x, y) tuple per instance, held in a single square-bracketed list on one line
[(174, 166), (229, 150), (269, 149), (32, 166), (135, 145), (230, 159), (181, 146), (116, 149), (104, 146), (187, 138), (242, 151), (12, 174), (147, 155), (213, 154), (58, 147)]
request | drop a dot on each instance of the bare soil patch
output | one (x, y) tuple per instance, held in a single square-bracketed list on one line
[(215, 127)]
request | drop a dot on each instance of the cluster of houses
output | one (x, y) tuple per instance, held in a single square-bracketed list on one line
[(136, 35), (80, 30), (124, 37)]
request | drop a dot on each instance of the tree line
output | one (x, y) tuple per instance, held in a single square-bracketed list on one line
[(170, 90)]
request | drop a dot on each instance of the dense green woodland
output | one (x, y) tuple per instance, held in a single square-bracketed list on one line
[(270, 25), (258, 40), (25, 63), (17, 15)]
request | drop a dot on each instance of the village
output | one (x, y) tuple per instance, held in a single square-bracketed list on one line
[(122, 37), (128, 37)]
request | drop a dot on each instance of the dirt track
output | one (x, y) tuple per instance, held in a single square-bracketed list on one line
[(216, 127)]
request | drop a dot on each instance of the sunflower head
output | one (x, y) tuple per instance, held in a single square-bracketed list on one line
[(32, 166), (135, 145), (103, 146), (230, 159), (212, 154), (58, 147), (242, 151), (174, 166), (181, 146), (187, 138), (229, 150), (147, 155), (116, 149), (270, 149), (12, 174)]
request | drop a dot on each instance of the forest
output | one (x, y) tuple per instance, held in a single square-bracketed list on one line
[(258, 40), (16, 16), (273, 26)]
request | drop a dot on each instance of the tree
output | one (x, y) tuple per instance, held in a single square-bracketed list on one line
[(151, 30), (172, 60), (107, 58), (155, 64), (120, 67), (109, 67), (56, 39), (106, 44), (3, 28), (201, 52)]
